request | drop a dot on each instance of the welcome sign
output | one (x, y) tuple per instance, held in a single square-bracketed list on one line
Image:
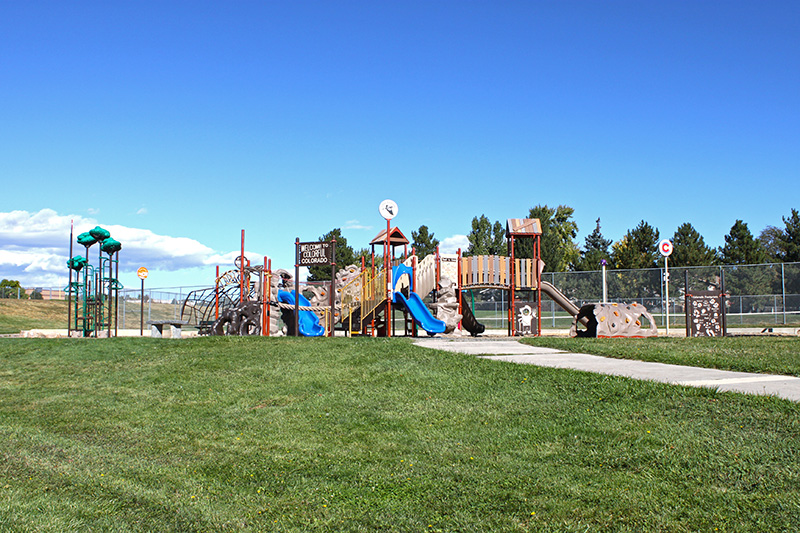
[(315, 253)]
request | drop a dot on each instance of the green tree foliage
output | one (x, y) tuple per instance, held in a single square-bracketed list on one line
[(769, 238), (690, 249), (11, 288), (424, 243), (596, 249), (485, 238), (638, 248), (345, 255), (741, 248), (789, 240), (559, 249)]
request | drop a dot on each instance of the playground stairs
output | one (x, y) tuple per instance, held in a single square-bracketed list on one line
[(363, 301)]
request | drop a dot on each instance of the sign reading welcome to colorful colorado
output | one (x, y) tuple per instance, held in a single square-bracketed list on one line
[(315, 253)]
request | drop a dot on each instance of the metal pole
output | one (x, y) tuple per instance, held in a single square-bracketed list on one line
[(333, 287), (141, 312), (783, 293), (605, 286), (69, 287), (116, 298), (269, 295), (686, 310), (241, 272), (297, 287), (388, 267), (666, 288), (264, 298), (110, 291), (216, 296)]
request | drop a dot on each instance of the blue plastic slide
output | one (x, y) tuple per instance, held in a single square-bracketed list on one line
[(309, 321), (420, 312)]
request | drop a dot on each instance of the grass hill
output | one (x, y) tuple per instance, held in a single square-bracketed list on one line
[(17, 315)]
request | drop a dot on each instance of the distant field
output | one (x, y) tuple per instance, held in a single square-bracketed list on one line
[(285, 434), (18, 315)]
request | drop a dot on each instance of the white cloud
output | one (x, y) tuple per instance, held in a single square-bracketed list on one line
[(34, 248), (450, 245), (354, 224), (142, 211), (93, 211)]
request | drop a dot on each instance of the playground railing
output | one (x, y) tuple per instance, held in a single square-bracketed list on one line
[(361, 297)]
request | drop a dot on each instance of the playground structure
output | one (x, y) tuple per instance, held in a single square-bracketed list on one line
[(364, 300), (95, 290)]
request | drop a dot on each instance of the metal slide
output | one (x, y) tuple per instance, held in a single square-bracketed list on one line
[(560, 299)]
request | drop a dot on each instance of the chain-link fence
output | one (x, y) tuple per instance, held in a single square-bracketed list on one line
[(758, 295)]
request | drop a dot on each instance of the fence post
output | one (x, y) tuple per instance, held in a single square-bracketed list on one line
[(783, 293)]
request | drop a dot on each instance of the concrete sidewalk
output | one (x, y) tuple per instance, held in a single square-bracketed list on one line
[(786, 387)]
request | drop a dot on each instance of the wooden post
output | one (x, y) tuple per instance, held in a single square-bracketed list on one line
[(297, 287), (333, 287)]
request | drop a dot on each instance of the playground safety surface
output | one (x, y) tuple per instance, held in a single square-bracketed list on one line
[(512, 351)]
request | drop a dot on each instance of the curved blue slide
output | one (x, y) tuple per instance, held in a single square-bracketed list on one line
[(419, 311), (309, 321)]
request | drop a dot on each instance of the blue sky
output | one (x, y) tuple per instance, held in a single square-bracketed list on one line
[(181, 123)]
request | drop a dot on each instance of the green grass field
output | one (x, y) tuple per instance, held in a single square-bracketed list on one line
[(763, 354), (286, 434)]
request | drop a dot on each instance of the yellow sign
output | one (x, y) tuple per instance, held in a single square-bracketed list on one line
[(142, 272)]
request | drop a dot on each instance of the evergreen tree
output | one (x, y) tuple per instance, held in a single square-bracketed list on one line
[(424, 243), (638, 248), (690, 249), (485, 238), (741, 248), (345, 255), (789, 240), (769, 238), (595, 250), (558, 247)]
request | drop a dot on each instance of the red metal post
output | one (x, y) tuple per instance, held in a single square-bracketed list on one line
[(537, 247), (269, 294), (458, 285), (387, 265), (512, 330), (241, 272), (264, 292), (216, 296)]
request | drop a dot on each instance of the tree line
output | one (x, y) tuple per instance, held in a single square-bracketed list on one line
[(637, 249)]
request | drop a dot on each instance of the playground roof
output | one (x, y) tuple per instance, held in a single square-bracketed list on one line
[(523, 226), (396, 238)]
